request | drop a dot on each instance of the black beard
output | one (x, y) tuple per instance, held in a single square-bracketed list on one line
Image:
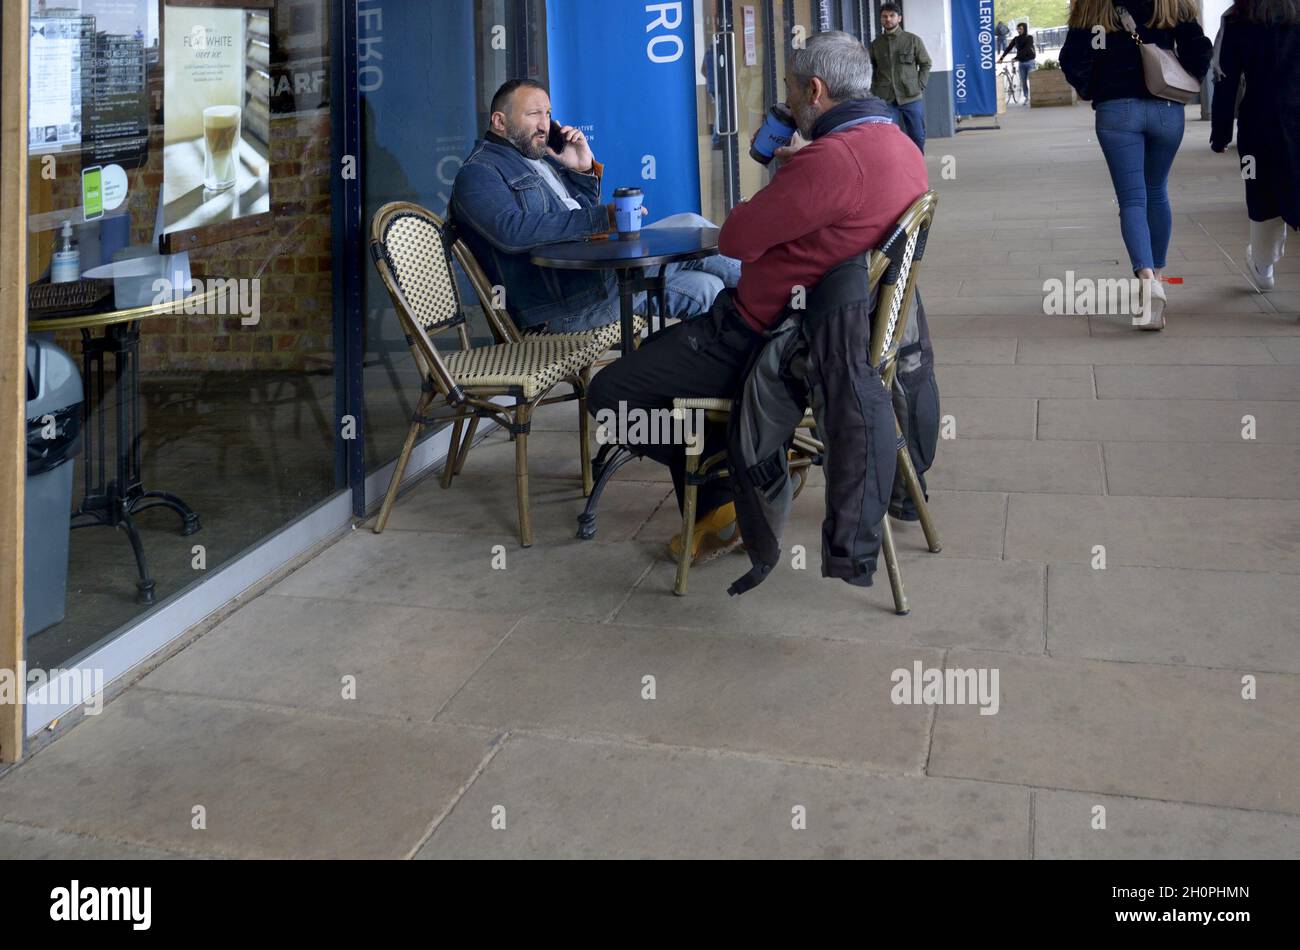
[(523, 140)]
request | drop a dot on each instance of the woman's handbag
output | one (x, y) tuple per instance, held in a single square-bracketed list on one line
[(1164, 75)]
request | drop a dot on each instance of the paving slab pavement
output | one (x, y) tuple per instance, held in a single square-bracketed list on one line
[(486, 675), (790, 698), (591, 799), (1067, 825), (1229, 534), (200, 776), (1159, 732), (1219, 619)]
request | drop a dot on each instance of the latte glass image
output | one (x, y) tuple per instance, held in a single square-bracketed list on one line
[(220, 146)]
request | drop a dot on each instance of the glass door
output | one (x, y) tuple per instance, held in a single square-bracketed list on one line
[(714, 106), (417, 161), (737, 83), (796, 22)]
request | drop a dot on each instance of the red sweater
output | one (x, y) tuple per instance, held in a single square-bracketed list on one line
[(836, 198)]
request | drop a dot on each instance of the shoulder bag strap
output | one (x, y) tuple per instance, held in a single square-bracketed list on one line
[(1127, 21)]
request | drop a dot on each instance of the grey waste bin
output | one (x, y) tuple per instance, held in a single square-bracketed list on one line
[(54, 397)]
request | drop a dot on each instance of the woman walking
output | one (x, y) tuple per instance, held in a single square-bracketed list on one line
[(1022, 44), (1139, 133), (1261, 44)]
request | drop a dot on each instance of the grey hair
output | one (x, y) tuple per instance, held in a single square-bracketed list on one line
[(837, 59)]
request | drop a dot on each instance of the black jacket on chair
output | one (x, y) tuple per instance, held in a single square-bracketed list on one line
[(1268, 125), (821, 359)]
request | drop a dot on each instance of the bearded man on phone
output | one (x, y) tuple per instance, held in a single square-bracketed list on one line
[(532, 182)]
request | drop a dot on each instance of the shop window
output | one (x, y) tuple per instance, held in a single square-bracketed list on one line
[(201, 129)]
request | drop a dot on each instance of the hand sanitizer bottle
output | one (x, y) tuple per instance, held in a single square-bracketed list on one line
[(67, 259)]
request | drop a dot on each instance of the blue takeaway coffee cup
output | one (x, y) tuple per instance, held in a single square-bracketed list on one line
[(627, 211), (777, 131)]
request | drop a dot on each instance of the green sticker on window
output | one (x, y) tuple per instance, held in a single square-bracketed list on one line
[(92, 193)]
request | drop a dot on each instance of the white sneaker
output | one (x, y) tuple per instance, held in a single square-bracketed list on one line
[(1263, 276), (1153, 306)]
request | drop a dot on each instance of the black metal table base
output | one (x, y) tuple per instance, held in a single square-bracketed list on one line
[(632, 281), (113, 501), (608, 460)]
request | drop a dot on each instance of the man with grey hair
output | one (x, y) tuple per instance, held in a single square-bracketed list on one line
[(839, 189)]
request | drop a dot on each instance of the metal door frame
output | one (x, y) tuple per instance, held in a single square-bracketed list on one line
[(775, 49), (347, 244), (725, 78), (726, 81)]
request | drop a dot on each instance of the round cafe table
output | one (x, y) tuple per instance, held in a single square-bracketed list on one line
[(113, 490), (628, 258)]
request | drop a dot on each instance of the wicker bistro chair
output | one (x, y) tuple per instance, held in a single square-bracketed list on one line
[(411, 251), (894, 268), (503, 328)]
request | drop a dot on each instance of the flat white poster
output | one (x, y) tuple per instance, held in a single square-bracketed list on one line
[(214, 170)]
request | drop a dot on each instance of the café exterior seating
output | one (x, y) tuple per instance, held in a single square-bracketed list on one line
[(413, 252), (894, 269)]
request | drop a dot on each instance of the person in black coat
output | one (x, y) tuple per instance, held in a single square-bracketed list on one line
[(1261, 44), (1139, 133)]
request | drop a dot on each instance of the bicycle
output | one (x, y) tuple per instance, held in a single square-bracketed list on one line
[(1011, 79)]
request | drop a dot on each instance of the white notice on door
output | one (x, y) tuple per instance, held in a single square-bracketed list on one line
[(751, 35), (53, 65)]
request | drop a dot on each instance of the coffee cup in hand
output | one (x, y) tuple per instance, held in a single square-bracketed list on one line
[(776, 132)]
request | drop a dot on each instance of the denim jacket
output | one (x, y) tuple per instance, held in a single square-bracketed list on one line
[(503, 210)]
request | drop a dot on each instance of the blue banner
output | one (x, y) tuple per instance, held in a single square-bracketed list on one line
[(974, 84), (623, 71)]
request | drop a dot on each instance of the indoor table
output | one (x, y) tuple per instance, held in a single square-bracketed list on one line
[(113, 489)]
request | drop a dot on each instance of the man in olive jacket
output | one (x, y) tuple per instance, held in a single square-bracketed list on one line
[(902, 68)]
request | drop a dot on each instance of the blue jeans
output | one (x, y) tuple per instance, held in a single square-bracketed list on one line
[(689, 290), (1140, 138), (1026, 67), (911, 119)]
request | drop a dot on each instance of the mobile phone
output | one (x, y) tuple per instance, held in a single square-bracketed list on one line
[(556, 142), (92, 192)]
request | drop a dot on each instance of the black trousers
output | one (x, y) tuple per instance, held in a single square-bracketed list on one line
[(704, 357)]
